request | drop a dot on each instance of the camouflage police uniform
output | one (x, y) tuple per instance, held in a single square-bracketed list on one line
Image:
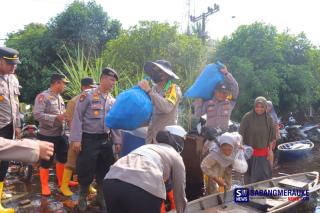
[(48, 106), (218, 112), (88, 127)]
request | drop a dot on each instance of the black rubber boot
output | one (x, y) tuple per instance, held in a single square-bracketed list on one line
[(100, 198), (83, 198)]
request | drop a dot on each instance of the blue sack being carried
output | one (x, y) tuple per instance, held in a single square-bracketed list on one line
[(204, 86), (132, 109)]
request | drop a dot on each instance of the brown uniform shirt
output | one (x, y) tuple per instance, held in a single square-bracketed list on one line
[(70, 109), (165, 111)]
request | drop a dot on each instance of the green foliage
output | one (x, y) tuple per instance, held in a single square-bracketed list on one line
[(277, 66), (81, 24), (36, 56), (150, 41), (77, 68), (84, 24)]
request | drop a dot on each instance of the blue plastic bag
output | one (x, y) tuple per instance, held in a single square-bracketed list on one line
[(132, 109), (204, 86), (132, 140)]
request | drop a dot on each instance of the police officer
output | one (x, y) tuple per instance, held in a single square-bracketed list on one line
[(9, 105), (136, 182), (49, 110), (165, 96), (92, 139), (220, 107), (86, 84)]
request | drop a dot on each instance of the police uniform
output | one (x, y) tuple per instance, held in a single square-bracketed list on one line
[(9, 104), (88, 127), (218, 112), (165, 110), (72, 154), (47, 106), (165, 100)]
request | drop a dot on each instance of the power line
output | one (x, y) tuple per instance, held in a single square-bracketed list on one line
[(203, 18)]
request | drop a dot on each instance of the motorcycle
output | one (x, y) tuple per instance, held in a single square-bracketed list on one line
[(30, 131), (295, 132)]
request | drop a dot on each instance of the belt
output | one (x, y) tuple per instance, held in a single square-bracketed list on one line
[(96, 135), (262, 152)]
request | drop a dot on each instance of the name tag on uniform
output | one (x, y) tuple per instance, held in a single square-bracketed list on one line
[(97, 106), (210, 108), (226, 108)]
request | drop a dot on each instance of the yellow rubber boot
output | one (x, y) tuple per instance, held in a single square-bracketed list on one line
[(2, 209), (65, 190), (92, 190)]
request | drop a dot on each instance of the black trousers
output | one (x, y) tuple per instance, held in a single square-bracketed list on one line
[(5, 132), (60, 150), (95, 158), (122, 197)]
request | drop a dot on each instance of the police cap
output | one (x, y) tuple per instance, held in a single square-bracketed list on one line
[(58, 77), (87, 81), (110, 72), (10, 55), (223, 87)]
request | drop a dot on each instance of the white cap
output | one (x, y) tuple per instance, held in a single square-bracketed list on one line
[(176, 130)]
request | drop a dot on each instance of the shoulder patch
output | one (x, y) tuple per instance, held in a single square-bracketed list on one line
[(40, 98), (83, 96), (171, 94)]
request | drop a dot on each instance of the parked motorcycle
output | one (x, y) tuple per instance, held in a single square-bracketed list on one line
[(30, 131), (295, 132)]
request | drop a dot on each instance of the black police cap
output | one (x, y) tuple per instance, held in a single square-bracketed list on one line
[(110, 72), (10, 55), (88, 82), (223, 87), (58, 77)]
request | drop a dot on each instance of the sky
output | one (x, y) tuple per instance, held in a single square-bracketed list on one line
[(295, 15)]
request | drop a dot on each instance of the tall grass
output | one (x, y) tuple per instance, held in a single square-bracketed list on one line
[(77, 66)]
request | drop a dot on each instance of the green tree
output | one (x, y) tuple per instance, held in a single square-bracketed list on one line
[(81, 24), (84, 24), (149, 41), (271, 64), (36, 55)]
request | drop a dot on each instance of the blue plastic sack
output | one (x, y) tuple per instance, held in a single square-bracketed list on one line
[(204, 86), (132, 140), (132, 109)]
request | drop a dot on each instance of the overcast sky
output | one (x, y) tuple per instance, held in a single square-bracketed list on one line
[(295, 15)]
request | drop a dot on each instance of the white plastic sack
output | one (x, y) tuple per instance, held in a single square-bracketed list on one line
[(240, 164)]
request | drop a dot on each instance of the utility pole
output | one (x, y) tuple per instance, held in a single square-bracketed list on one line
[(203, 18)]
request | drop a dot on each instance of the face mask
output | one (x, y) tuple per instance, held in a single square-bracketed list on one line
[(156, 77)]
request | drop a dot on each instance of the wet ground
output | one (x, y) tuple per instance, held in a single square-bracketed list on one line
[(26, 197), (307, 163)]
